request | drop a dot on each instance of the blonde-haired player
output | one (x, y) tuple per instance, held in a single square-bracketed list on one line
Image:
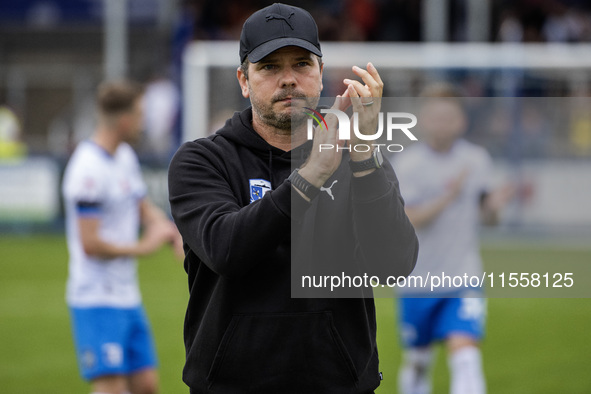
[(106, 204)]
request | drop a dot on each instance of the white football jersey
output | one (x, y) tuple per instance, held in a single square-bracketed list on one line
[(450, 243), (109, 188)]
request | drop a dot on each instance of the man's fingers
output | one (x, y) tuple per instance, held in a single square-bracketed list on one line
[(372, 89), (361, 90), (371, 78), (357, 100), (374, 73), (342, 102), (354, 97)]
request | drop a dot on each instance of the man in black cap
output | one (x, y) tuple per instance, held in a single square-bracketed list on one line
[(244, 213)]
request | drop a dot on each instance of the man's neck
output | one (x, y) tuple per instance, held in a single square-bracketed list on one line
[(106, 139), (281, 139), (441, 146)]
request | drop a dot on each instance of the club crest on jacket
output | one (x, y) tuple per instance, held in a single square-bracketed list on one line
[(258, 188)]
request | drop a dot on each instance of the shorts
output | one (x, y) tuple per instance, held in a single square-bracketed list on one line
[(424, 321), (112, 341)]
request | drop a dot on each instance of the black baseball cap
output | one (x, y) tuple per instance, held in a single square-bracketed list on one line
[(277, 26)]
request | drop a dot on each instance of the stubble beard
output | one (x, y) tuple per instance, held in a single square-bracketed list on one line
[(285, 123)]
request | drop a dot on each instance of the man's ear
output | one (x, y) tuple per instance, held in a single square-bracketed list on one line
[(243, 81)]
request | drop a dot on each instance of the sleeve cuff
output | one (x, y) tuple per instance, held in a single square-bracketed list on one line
[(88, 208)]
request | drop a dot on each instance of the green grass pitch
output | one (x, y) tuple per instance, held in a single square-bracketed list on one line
[(532, 346)]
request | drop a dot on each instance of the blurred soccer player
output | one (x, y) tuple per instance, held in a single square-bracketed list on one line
[(446, 183), (105, 201)]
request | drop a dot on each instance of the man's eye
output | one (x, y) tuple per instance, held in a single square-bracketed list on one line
[(269, 67), (303, 64)]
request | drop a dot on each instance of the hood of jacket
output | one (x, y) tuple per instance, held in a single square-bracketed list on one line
[(238, 130)]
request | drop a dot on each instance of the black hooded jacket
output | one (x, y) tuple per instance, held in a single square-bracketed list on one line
[(244, 333)]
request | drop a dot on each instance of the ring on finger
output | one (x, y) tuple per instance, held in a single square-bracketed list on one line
[(367, 104)]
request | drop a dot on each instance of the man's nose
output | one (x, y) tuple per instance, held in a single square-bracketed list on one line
[(288, 78)]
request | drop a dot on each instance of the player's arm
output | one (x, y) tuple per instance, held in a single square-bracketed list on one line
[(158, 230), (151, 215), (491, 203), (153, 219), (423, 214), (94, 245)]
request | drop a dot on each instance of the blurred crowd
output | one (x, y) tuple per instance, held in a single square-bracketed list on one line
[(544, 21), (401, 20)]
